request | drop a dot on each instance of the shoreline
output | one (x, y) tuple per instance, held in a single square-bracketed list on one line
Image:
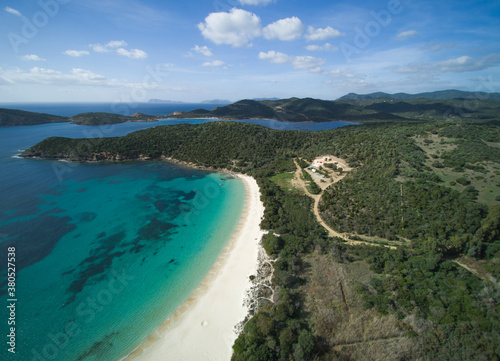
[(205, 326)]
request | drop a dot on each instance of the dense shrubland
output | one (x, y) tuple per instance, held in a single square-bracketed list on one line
[(394, 192)]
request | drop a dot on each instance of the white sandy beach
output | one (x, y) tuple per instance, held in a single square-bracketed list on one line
[(203, 328)]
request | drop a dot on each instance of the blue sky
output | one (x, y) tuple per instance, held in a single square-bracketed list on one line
[(134, 50)]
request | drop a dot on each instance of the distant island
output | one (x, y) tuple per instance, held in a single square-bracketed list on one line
[(110, 118)]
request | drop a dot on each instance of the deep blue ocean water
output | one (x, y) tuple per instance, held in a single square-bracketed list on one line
[(105, 252), (70, 109)]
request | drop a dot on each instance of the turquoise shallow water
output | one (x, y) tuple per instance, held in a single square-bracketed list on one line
[(119, 251), (104, 252)]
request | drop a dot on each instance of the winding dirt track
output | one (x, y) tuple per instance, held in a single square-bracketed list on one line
[(317, 198)]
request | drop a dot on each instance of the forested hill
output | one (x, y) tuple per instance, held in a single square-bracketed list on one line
[(361, 109), (93, 118), (429, 189), (437, 95), (291, 110), (355, 109), (10, 117)]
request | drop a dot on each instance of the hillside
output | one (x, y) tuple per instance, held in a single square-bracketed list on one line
[(291, 110), (437, 95), (211, 101), (109, 118), (11, 117), (362, 109), (429, 109), (430, 190)]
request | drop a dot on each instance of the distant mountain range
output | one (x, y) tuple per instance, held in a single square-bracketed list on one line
[(357, 109), (290, 110), (375, 107), (437, 95), (213, 101)]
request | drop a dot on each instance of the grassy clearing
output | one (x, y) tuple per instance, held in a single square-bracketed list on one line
[(487, 182), (435, 145), (284, 181), (339, 319)]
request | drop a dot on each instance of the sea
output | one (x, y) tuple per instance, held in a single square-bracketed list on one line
[(96, 256)]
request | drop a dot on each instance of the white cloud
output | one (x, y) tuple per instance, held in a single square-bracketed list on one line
[(274, 57), (298, 62), (237, 27), (77, 76), (322, 33), (98, 48), (37, 75), (133, 53), (213, 63), (12, 11), (116, 44), (255, 2), (326, 47), (309, 62), (76, 53), (84, 76), (284, 29), (203, 50), (118, 47), (110, 46), (339, 73), (32, 57), (407, 34), (461, 64)]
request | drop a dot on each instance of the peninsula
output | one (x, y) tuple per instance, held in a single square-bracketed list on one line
[(412, 230)]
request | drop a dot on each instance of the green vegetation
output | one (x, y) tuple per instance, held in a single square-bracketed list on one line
[(311, 185), (284, 181), (456, 311), (10, 117), (437, 95), (357, 109), (291, 110), (333, 301), (109, 118), (302, 163), (428, 109), (372, 108)]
